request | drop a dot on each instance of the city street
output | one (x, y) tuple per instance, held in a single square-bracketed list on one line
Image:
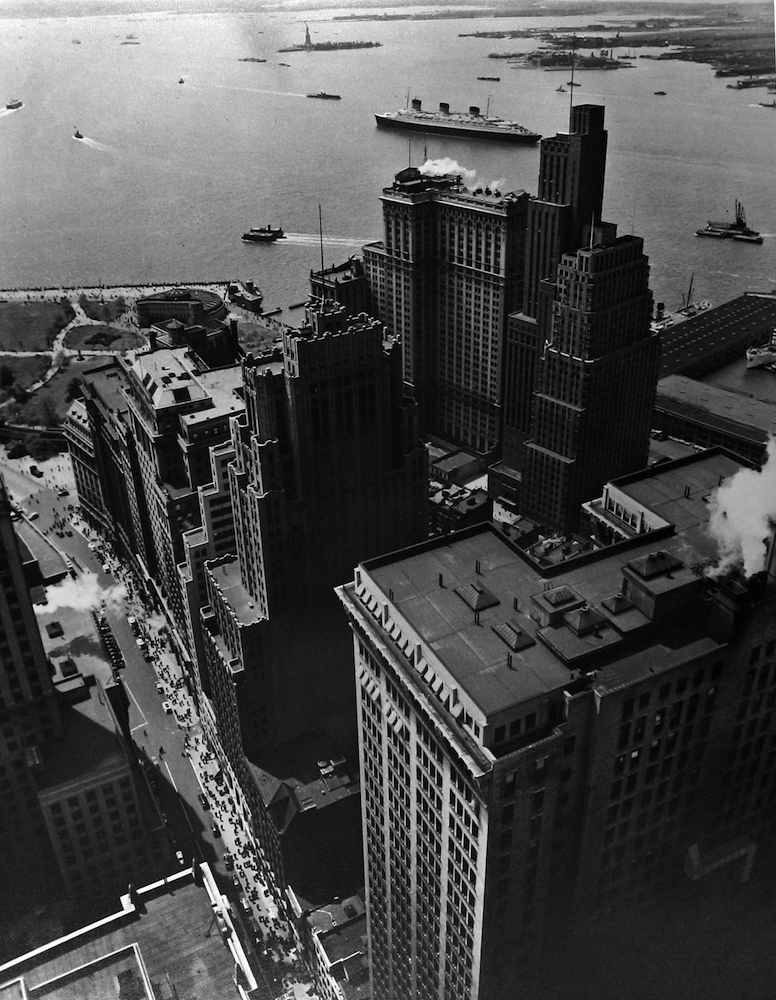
[(164, 726)]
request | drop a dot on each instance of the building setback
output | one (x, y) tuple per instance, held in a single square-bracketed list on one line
[(448, 271), (596, 380), (540, 747)]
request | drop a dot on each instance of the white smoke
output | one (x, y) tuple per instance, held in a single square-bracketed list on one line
[(743, 512), (446, 165), (83, 594)]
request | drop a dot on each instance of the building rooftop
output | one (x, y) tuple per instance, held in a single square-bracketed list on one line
[(90, 744), (107, 381), (169, 379), (171, 945), (226, 575), (223, 385), (759, 383), (723, 409), (35, 545), (714, 331), (497, 630)]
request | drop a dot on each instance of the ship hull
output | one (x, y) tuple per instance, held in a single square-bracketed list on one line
[(462, 131)]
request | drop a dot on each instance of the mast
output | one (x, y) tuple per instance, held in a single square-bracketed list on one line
[(320, 231), (571, 84)]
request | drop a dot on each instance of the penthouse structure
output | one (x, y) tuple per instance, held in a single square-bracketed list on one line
[(540, 747), (327, 463), (444, 278)]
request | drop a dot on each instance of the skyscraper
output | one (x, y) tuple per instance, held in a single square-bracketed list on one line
[(29, 713), (542, 746), (444, 278), (328, 463), (570, 195), (596, 380)]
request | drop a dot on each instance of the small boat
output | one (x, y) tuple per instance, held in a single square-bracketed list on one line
[(284, 64), (560, 90), (14, 104), (572, 83), (181, 80), (263, 234), (660, 93), (764, 356), (323, 96), (768, 104), (77, 134), (737, 230), (495, 79)]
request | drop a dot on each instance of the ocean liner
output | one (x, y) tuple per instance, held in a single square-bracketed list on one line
[(473, 125)]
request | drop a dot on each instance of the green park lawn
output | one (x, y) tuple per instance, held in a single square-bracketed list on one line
[(255, 338), (102, 338), (31, 326), (49, 404), (24, 371)]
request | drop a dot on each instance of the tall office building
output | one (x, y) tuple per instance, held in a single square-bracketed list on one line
[(571, 188), (328, 464), (540, 747), (444, 278), (596, 379), (29, 713)]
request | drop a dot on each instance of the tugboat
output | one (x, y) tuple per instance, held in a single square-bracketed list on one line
[(77, 134), (323, 96), (660, 93), (181, 80), (14, 104), (764, 356), (737, 230), (263, 234)]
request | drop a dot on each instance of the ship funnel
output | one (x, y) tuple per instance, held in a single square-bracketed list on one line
[(444, 108), (474, 110), (415, 104)]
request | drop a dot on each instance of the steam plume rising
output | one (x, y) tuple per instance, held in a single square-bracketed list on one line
[(446, 165), (83, 594), (743, 510)]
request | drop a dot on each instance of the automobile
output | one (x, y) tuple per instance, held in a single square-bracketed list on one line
[(63, 493), (167, 707), (215, 829), (179, 857), (35, 471), (228, 861), (160, 687), (132, 622), (105, 568), (203, 801), (141, 643), (33, 516)]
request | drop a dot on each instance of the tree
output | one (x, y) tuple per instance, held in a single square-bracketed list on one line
[(50, 416), (74, 390), (7, 377)]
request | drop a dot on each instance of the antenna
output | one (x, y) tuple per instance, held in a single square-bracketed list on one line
[(571, 84), (592, 228), (320, 231)]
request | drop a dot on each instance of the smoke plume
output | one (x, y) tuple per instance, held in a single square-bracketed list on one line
[(83, 594), (446, 165), (743, 511)]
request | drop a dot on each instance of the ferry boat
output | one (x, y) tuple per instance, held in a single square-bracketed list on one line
[(263, 234), (764, 356), (14, 104), (473, 125), (737, 230), (323, 96)]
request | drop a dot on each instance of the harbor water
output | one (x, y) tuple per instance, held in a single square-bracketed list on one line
[(169, 174)]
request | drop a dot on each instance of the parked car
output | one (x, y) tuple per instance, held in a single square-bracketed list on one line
[(34, 515), (167, 707), (216, 830), (179, 857), (228, 861), (203, 801), (63, 493), (160, 687)]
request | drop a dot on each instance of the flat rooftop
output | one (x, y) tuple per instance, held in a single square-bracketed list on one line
[(714, 331), (679, 491), (90, 744), (720, 408), (468, 598), (49, 559), (171, 947)]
